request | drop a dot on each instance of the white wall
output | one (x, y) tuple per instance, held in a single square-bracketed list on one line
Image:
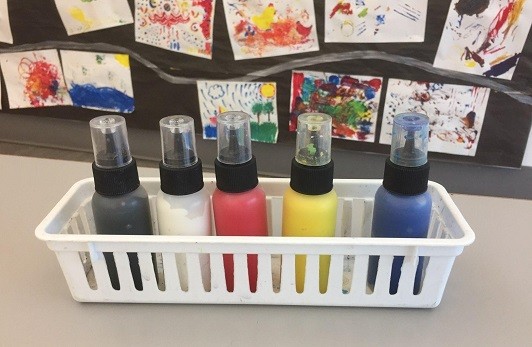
[(527, 160)]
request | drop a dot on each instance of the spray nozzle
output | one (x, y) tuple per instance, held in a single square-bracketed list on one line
[(234, 138), (109, 141), (178, 141), (313, 144), (410, 138)]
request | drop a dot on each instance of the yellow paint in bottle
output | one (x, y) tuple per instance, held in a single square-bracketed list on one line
[(312, 216), (310, 204)]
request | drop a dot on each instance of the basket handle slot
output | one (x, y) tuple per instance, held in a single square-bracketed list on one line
[(288, 273), (172, 282), (264, 274), (198, 271), (218, 283)]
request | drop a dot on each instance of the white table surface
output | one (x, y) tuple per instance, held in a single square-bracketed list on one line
[(487, 301)]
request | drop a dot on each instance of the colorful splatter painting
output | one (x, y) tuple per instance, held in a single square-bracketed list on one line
[(484, 37), (351, 101), (100, 81), (183, 26), (375, 20), (5, 27), (258, 99), (34, 79), (81, 16), (456, 113), (271, 28)]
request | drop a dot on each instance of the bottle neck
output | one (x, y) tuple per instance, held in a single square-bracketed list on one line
[(311, 180), (405, 180), (181, 181), (236, 178), (116, 181)]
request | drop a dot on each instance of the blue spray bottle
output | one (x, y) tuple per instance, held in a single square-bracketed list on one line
[(402, 204)]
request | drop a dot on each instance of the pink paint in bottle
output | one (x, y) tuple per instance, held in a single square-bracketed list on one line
[(239, 204)]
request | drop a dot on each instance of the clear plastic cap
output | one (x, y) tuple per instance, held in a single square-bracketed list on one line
[(410, 139), (109, 141), (313, 144), (234, 138), (178, 141)]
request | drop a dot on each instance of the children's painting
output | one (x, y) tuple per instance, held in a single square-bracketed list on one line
[(271, 28), (34, 79), (351, 101), (183, 26), (456, 113), (484, 37), (258, 99), (5, 27), (99, 81), (375, 20), (81, 16)]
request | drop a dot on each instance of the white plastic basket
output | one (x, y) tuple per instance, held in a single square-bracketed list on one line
[(69, 231)]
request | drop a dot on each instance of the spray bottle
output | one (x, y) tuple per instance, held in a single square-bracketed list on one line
[(239, 204), (309, 205), (402, 204), (120, 204), (183, 205)]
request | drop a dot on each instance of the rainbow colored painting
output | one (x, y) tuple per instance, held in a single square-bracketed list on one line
[(352, 102), (484, 37), (271, 28)]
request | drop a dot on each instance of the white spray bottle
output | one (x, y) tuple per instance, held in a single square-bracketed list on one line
[(183, 205)]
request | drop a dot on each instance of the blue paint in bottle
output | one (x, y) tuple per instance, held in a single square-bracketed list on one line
[(402, 204)]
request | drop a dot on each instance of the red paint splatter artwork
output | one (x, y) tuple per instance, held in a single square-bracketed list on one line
[(42, 81), (259, 29), (176, 25), (34, 79)]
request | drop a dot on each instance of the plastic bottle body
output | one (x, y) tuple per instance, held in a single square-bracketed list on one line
[(186, 215), (126, 214), (310, 216), (240, 214), (404, 216)]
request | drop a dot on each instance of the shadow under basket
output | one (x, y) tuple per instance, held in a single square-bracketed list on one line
[(69, 231)]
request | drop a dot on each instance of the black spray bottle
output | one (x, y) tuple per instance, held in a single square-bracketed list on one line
[(120, 204)]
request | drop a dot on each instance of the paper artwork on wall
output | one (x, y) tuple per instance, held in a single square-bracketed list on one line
[(375, 20), (99, 81), (456, 113), (5, 27), (258, 99), (352, 102), (34, 79), (484, 37), (177, 25), (81, 16), (271, 28)]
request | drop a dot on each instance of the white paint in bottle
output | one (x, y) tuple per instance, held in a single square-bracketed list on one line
[(183, 204)]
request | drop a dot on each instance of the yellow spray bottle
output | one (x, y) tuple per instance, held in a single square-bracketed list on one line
[(309, 205)]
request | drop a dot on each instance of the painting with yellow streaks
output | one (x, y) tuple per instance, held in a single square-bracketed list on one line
[(271, 28), (80, 16)]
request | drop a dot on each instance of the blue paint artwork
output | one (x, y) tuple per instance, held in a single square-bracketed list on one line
[(380, 18), (209, 131), (105, 98)]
